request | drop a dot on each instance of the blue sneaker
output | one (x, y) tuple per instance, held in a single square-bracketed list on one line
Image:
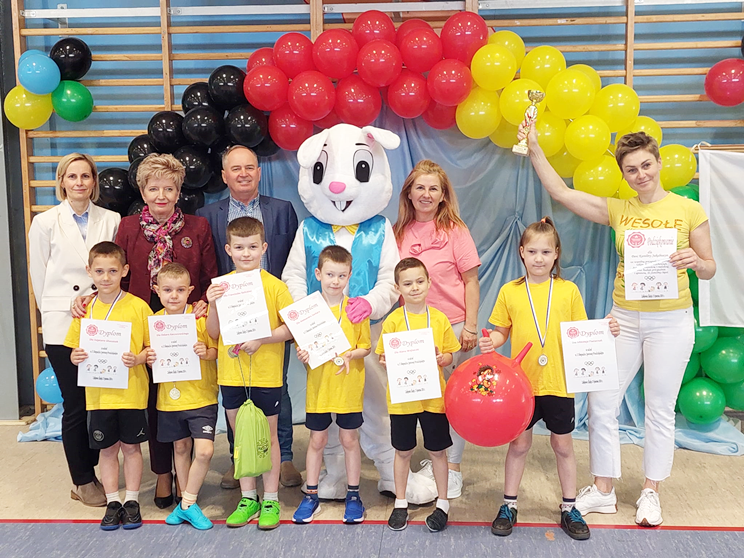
[(354, 512), (175, 518), (306, 510), (195, 516)]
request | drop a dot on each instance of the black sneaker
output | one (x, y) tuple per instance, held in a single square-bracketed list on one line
[(504, 522), (437, 520), (398, 519), (574, 525), (131, 518), (113, 517)]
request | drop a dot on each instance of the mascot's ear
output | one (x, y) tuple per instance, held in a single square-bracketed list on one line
[(310, 149), (386, 138)]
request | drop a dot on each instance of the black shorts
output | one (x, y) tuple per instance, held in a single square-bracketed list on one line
[(108, 426), (267, 399), (321, 421), (194, 423), (434, 426), (557, 412)]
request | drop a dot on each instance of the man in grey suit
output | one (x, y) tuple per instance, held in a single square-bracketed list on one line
[(242, 174)]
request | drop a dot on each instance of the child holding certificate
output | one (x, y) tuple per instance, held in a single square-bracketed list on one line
[(335, 387), (412, 282), (254, 364), (187, 410), (117, 418), (531, 308)]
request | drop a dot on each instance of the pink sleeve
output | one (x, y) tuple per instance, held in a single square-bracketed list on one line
[(465, 252)]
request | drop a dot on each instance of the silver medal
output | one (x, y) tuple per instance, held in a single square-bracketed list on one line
[(542, 360), (174, 393), (338, 361)]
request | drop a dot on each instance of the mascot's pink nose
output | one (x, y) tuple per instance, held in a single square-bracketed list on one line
[(337, 187)]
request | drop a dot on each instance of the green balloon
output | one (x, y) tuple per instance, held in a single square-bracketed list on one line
[(724, 361), (704, 336), (701, 401), (72, 101), (692, 369), (730, 331), (687, 192), (734, 395), (692, 276)]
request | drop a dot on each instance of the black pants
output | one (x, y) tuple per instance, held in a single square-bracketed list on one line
[(161, 454), (80, 457)]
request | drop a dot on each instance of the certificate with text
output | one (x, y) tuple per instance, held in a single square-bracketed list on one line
[(648, 273), (105, 342), (412, 370), (589, 356), (173, 337), (242, 310)]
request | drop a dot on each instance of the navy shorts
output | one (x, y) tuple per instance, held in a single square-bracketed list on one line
[(319, 422), (267, 399), (434, 426), (108, 426), (557, 412), (193, 423)]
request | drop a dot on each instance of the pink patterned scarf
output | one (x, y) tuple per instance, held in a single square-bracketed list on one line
[(162, 237)]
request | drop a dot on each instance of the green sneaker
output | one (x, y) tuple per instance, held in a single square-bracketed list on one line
[(247, 509), (270, 512)]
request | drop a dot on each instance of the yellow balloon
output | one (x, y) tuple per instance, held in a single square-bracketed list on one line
[(678, 165), (550, 133), (493, 67), (542, 63), (587, 137), (570, 94), (511, 41), (642, 124), (478, 115), (514, 100), (625, 192), (591, 73), (26, 110), (564, 163), (616, 104), (505, 134), (600, 177)]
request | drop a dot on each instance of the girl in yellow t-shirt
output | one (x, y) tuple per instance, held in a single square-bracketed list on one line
[(531, 309)]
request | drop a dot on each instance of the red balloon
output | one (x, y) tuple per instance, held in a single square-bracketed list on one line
[(287, 129), (489, 400), (439, 116), (420, 50), (408, 95), (329, 121), (263, 56), (407, 26), (372, 25), (379, 63), (449, 82), (266, 87), (724, 83), (357, 103), (335, 53), (311, 95), (462, 35), (293, 54)]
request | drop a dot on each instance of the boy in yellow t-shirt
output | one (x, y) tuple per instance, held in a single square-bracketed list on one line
[(256, 364), (117, 418), (412, 282), (187, 410), (335, 387)]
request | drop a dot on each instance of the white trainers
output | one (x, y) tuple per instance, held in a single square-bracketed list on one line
[(454, 479), (591, 500), (649, 508)]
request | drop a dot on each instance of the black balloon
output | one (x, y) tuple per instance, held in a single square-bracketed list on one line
[(140, 147), (226, 87), (267, 147), (165, 131), (136, 207), (190, 200), (197, 95), (203, 126), (116, 194), (132, 175), (216, 152), (72, 56), (196, 162), (215, 184), (742, 46), (246, 125)]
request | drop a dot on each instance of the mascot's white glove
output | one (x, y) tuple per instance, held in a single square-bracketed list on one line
[(358, 309)]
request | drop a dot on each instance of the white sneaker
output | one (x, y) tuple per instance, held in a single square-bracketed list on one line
[(649, 508), (426, 469), (591, 500), (454, 480)]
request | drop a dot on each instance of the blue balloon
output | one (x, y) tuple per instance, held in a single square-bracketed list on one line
[(47, 386), (29, 53), (39, 74)]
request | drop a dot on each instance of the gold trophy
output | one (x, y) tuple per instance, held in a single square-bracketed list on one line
[(530, 115)]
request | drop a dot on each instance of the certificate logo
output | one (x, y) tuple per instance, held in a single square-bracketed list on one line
[(91, 330), (572, 332), (395, 343), (186, 242), (636, 239), (225, 286), (293, 315), (159, 325)]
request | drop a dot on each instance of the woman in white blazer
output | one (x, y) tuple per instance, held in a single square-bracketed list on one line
[(58, 243)]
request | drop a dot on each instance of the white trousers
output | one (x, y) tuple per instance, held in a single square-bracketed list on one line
[(454, 453), (662, 342)]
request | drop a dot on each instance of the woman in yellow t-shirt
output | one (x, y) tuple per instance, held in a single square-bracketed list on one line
[(658, 333)]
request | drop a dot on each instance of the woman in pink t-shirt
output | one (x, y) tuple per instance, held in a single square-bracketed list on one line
[(429, 228)]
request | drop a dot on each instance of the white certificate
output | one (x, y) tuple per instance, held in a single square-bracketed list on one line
[(105, 342), (242, 309), (315, 329), (648, 273), (173, 337), (589, 356), (411, 360)]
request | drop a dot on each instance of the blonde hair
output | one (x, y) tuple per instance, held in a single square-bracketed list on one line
[(65, 163), (448, 211), (637, 141), (174, 271), (547, 227), (157, 165)]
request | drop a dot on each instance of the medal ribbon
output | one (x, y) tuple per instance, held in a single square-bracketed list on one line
[(428, 318), (540, 336), (110, 308)]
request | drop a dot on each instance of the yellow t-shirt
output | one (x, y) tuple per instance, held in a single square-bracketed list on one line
[(512, 309), (264, 367), (444, 339), (328, 392), (672, 211), (135, 311), (195, 394)]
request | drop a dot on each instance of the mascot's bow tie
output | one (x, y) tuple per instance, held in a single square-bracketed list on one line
[(351, 228)]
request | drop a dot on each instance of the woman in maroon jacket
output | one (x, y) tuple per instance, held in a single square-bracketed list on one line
[(162, 233)]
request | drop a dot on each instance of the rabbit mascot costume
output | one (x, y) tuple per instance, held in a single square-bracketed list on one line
[(344, 183)]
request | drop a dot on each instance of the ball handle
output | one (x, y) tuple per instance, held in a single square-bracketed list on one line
[(523, 353)]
